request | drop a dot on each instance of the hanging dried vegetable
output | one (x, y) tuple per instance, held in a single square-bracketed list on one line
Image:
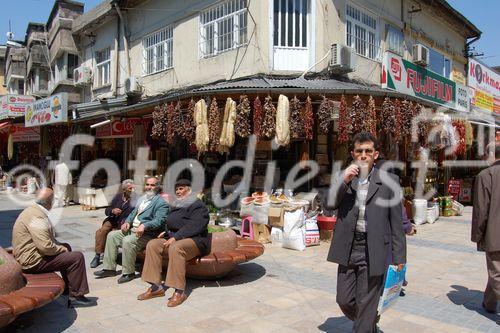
[(460, 148), (201, 119), (177, 122), (390, 118), (407, 115), (358, 114), (159, 131), (108, 145), (170, 121), (325, 114), (268, 129), (370, 118), (258, 116), (296, 119), (226, 140), (345, 121), (283, 121), (308, 119), (243, 111), (214, 125), (469, 134), (188, 130)]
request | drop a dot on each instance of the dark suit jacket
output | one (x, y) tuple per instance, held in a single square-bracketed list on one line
[(153, 217), (486, 209), (384, 225), (190, 221), (126, 207)]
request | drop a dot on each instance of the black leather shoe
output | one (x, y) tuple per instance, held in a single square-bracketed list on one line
[(80, 301), (126, 278), (95, 262), (105, 273)]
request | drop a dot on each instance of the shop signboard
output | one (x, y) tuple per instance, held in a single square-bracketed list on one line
[(25, 134), (486, 83), (14, 105), (50, 110), (117, 129), (463, 98), (407, 78), (454, 187)]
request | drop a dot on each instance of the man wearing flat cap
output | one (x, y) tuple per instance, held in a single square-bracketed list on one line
[(185, 238)]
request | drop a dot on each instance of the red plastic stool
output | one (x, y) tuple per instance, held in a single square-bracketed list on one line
[(246, 224)]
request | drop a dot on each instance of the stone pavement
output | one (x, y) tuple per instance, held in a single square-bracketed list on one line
[(282, 291)]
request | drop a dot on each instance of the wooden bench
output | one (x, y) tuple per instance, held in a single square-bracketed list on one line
[(40, 289)]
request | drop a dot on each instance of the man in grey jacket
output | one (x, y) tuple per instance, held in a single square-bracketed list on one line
[(486, 227), (146, 222)]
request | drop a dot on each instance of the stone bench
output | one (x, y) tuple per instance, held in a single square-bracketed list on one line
[(21, 292), (227, 251)]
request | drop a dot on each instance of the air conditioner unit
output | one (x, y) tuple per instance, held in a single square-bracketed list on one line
[(343, 58), (420, 55), (82, 76), (132, 86)]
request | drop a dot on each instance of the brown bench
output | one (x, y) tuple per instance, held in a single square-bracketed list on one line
[(39, 290), (227, 251)]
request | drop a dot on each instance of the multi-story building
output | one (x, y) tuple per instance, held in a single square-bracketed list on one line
[(3, 51), (37, 63), (15, 68)]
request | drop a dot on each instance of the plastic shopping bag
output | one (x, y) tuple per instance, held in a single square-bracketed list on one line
[(392, 287)]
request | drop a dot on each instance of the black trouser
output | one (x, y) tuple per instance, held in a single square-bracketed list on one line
[(358, 293)]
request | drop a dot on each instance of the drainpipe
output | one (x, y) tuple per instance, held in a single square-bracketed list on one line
[(126, 35)]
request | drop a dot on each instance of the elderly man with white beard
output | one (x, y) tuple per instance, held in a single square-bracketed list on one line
[(145, 222)]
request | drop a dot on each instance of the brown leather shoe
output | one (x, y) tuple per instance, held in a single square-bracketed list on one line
[(176, 299), (151, 294)]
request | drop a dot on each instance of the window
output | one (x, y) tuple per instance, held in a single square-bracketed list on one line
[(158, 51), (361, 32), (103, 67), (290, 23), (72, 64), (223, 27), (439, 64), (20, 87), (394, 40)]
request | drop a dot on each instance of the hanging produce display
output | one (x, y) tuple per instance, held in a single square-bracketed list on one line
[(177, 122), (170, 122), (390, 118), (308, 119), (469, 134), (370, 121), (108, 145), (188, 130), (297, 122), (57, 135), (345, 121), (461, 147), (201, 119), (227, 134), (325, 114), (283, 121), (407, 115), (214, 125), (10, 147), (258, 116), (268, 129), (243, 127), (159, 131), (358, 114)]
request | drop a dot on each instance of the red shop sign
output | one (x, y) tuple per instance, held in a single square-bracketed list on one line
[(117, 129)]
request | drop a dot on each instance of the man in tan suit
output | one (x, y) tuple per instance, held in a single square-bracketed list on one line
[(38, 251), (486, 227)]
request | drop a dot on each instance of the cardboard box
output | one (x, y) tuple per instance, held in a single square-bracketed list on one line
[(276, 216)]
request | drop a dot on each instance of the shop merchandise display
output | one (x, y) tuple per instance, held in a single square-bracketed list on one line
[(227, 138), (325, 114), (258, 114), (243, 126), (268, 129), (308, 119), (370, 119), (177, 121), (159, 131), (358, 115), (345, 121), (283, 121), (188, 130), (200, 117), (296, 119), (214, 125), (170, 121)]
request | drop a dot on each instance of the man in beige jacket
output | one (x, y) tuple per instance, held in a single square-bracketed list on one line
[(37, 250), (486, 227)]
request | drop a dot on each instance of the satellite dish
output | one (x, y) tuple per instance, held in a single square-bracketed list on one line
[(10, 35)]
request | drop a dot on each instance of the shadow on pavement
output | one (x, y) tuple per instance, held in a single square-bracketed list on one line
[(52, 318), (7, 219), (470, 299), (339, 325)]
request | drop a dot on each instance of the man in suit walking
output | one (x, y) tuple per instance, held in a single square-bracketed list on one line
[(486, 227), (146, 222), (369, 220)]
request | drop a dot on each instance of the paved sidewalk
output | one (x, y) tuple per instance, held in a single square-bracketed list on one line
[(282, 291)]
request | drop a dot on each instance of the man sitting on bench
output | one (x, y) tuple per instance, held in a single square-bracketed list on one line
[(185, 238), (37, 250)]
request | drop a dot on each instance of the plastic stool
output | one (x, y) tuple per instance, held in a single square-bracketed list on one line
[(247, 221)]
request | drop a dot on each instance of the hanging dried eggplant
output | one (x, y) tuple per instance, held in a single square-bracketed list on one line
[(170, 130), (325, 114), (370, 118), (407, 115), (214, 125), (159, 131), (296, 119), (358, 115), (345, 121), (308, 119), (268, 129), (258, 116), (188, 130), (243, 111), (177, 122)]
